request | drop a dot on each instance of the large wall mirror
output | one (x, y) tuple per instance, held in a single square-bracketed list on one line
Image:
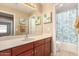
[(6, 24)]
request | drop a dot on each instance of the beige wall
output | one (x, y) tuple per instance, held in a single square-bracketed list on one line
[(17, 14), (47, 8), (38, 28), (43, 28), (54, 29)]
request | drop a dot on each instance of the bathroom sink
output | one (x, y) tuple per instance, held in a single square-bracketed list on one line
[(15, 42)]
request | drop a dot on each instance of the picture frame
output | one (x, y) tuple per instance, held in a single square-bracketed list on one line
[(38, 20), (47, 18), (22, 21), (23, 25)]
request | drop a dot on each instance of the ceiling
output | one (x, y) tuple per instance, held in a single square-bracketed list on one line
[(19, 6), (65, 6)]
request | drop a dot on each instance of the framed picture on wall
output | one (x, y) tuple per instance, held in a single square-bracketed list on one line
[(47, 18), (22, 25), (38, 20), (22, 21)]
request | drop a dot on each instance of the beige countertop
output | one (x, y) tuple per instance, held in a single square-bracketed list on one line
[(13, 41)]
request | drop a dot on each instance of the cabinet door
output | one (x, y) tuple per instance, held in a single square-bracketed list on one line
[(5, 52), (43, 50), (38, 43), (20, 49), (27, 53), (39, 51), (47, 49)]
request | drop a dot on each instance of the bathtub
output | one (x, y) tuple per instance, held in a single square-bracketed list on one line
[(67, 47)]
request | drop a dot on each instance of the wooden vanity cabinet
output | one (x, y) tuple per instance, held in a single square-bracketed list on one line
[(5, 52), (39, 51), (22, 50), (27, 53), (37, 48), (42, 47), (47, 49), (48, 46)]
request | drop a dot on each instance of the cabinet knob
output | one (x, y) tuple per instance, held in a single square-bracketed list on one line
[(35, 51)]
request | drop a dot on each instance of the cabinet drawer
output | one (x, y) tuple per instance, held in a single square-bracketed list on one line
[(5, 52), (38, 43), (20, 49), (27, 53)]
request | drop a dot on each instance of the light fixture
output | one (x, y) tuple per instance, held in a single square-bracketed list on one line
[(59, 5), (31, 5)]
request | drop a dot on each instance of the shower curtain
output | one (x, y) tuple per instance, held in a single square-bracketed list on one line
[(65, 29)]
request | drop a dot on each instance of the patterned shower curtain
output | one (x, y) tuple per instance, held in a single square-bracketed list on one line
[(65, 28)]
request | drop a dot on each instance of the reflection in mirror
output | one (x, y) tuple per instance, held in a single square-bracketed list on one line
[(32, 25), (22, 27)]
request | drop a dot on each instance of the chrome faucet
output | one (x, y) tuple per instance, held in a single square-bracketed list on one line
[(26, 36)]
